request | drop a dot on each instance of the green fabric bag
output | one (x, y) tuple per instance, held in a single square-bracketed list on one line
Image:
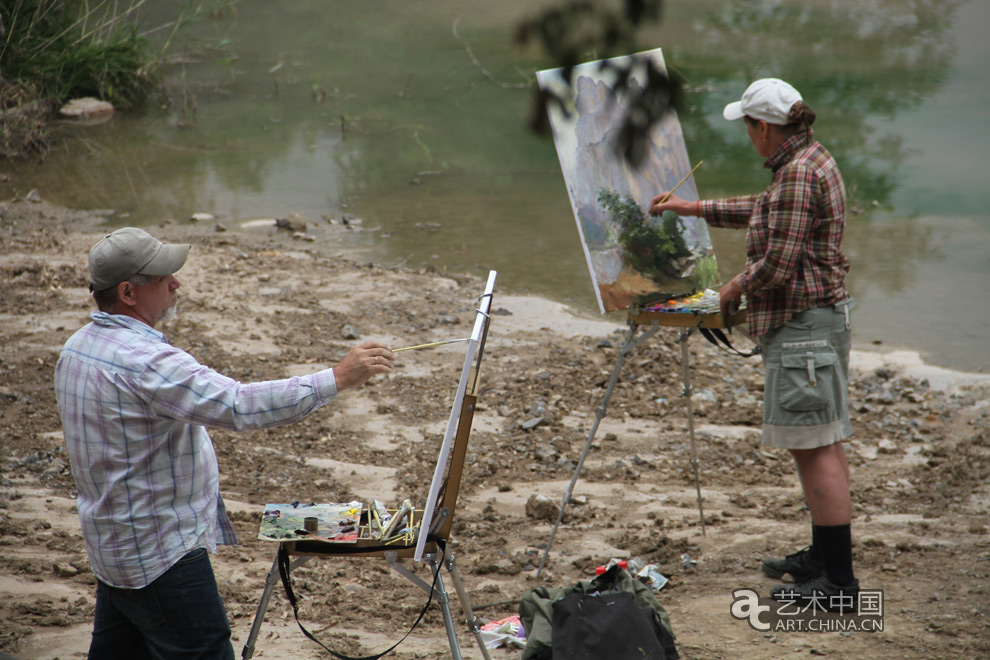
[(536, 607)]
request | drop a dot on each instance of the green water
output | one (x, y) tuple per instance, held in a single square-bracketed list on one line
[(324, 107)]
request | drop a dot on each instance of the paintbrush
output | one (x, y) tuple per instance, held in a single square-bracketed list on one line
[(430, 345), (667, 196)]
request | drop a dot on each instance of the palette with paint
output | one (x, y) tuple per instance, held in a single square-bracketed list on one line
[(332, 522)]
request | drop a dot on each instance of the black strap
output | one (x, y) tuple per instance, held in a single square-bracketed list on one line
[(721, 342), (284, 568)]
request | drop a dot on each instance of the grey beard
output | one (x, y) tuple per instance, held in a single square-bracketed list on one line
[(169, 313)]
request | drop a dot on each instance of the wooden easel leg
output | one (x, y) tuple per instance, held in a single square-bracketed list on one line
[(259, 616), (472, 621), (627, 345)]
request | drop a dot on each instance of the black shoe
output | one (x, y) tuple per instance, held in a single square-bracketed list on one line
[(801, 566), (826, 594)]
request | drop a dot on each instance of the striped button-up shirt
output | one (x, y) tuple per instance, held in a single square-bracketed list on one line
[(794, 258), (134, 410)]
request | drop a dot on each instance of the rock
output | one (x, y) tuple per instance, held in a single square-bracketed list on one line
[(886, 446), (87, 110), (65, 570), (545, 453), (748, 401), (259, 222), (348, 332), (202, 217), (706, 395), (531, 423), (887, 396), (542, 507), (294, 223)]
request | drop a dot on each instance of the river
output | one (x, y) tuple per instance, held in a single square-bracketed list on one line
[(413, 118)]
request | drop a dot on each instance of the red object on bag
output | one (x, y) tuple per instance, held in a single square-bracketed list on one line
[(623, 564)]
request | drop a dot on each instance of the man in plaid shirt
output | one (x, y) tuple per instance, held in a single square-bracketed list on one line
[(798, 311), (134, 414)]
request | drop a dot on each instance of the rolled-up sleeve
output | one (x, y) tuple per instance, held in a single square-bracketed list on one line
[(733, 212)]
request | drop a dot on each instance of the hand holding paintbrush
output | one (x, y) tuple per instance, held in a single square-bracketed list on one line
[(666, 201)]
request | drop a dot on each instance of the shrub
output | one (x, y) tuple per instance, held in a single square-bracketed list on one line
[(76, 48)]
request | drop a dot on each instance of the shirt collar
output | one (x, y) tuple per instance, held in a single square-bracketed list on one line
[(785, 152), (129, 322)]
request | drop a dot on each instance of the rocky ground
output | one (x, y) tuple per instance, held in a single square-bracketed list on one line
[(266, 302)]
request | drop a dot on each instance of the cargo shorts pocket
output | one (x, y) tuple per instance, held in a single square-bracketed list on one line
[(805, 382)]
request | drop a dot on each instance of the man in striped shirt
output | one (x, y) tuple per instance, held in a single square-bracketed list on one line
[(134, 414)]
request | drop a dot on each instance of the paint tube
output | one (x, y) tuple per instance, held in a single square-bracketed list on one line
[(400, 515), (378, 518)]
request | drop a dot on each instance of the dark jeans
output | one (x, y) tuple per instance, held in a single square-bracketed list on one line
[(179, 615)]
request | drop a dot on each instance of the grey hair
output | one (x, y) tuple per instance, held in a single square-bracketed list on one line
[(108, 298)]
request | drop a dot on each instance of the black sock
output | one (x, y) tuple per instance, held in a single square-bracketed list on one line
[(835, 546)]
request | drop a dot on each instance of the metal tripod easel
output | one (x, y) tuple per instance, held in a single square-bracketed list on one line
[(687, 323)]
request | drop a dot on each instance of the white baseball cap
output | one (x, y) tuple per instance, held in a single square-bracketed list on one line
[(131, 251), (769, 99)]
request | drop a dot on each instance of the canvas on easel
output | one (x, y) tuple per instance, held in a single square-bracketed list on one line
[(468, 384), (634, 259)]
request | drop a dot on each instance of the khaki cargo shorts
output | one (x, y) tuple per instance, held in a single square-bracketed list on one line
[(806, 393)]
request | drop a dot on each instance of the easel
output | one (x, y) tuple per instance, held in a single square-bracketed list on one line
[(688, 323), (431, 542)]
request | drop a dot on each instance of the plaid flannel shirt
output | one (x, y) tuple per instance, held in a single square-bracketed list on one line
[(794, 258), (134, 411)]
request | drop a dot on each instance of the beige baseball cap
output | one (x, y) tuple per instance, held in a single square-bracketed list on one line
[(131, 251), (769, 99)]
